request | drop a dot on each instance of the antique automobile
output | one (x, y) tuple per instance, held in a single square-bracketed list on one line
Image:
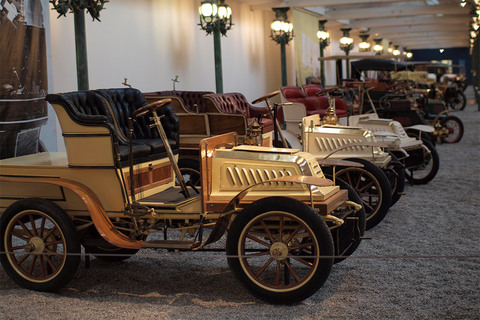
[(418, 156), (421, 113), (378, 180), (203, 114), (118, 189)]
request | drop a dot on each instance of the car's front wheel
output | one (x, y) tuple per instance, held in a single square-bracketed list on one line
[(280, 249)]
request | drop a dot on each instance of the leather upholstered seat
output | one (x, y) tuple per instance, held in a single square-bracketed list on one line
[(311, 90), (295, 94), (236, 103), (189, 101), (112, 108)]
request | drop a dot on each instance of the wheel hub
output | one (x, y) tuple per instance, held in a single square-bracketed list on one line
[(35, 245), (279, 251)]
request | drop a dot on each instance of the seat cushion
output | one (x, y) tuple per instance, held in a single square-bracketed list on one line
[(140, 152), (311, 90)]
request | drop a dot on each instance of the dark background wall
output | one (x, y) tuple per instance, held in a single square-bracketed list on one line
[(457, 55)]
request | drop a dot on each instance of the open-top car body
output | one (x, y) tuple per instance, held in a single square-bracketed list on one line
[(118, 189)]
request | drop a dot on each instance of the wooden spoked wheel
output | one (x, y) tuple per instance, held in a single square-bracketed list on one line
[(41, 245), (278, 251)]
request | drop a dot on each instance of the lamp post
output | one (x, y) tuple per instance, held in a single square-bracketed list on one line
[(78, 8), (378, 48), (396, 51), (323, 40), (216, 18), (282, 33), (346, 44), (364, 45)]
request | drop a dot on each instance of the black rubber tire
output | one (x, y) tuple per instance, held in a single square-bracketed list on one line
[(455, 127), (270, 217), (423, 136), (433, 164), (347, 238), (395, 172), (459, 102), (46, 255), (113, 255), (377, 184), (108, 252)]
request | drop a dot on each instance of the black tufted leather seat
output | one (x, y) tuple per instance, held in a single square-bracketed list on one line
[(111, 108)]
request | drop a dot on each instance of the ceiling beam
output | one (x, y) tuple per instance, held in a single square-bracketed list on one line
[(416, 29), (406, 21), (392, 11), (268, 5)]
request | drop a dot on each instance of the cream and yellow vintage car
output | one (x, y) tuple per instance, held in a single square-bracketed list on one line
[(118, 189)]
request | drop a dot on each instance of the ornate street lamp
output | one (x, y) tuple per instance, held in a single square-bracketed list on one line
[(216, 18), (364, 45), (390, 47), (396, 51), (323, 40), (378, 48), (78, 8), (282, 33), (346, 44)]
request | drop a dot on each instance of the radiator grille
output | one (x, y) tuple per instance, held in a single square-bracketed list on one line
[(238, 177), (331, 144)]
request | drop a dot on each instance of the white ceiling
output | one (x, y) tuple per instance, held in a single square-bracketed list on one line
[(413, 24)]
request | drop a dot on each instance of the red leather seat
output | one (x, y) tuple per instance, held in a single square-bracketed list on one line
[(295, 94), (311, 90)]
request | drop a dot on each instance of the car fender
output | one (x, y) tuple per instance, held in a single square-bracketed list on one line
[(99, 217), (422, 127), (224, 220)]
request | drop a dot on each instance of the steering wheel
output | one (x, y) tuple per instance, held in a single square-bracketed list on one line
[(265, 97), (150, 107), (326, 92)]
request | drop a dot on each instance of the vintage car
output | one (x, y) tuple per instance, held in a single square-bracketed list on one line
[(420, 110), (118, 189), (379, 180)]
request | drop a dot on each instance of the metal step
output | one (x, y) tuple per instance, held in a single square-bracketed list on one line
[(171, 244)]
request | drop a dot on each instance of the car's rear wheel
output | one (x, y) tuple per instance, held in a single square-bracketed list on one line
[(348, 236), (395, 173), (455, 129), (41, 245)]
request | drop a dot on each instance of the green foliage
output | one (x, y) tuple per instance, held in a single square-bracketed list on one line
[(93, 7)]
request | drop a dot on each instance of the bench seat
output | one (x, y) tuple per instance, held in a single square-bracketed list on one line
[(111, 108)]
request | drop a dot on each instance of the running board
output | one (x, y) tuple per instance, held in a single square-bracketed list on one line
[(171, 244)]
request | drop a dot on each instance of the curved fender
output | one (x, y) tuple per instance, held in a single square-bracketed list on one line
[(224, 220), (99, 217), (422, 127), (447, 112)]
